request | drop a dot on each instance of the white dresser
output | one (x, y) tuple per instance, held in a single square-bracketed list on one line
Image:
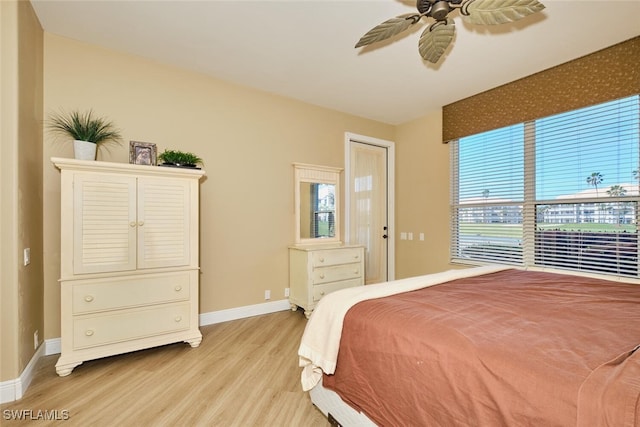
[(315, 271), (129, 258)]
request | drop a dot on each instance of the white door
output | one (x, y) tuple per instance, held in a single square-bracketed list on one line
[(369, 203)]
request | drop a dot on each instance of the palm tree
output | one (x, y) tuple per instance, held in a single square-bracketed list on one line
[(621, 209), (594, 179), (616, 191)]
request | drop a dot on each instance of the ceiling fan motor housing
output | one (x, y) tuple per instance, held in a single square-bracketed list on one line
[(437, 9)]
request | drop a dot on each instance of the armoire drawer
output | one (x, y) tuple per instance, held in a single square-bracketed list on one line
[(321, 290), (130, 291), (335, 256), (112, 327), (336, 273)]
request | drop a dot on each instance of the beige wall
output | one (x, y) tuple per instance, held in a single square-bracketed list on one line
[(422, 197), (21, 69), (247, 138)]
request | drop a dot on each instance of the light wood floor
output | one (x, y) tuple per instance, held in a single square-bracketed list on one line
[(245, 373)]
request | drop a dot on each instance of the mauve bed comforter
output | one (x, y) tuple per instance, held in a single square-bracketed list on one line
[(510, 348)]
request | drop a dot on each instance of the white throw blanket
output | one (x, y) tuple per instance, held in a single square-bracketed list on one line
[(318, 350)]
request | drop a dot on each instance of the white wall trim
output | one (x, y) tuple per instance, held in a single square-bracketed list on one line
[(243, 312), (53, 346), (14, 389)]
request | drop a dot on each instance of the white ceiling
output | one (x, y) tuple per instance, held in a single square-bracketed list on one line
[(304, 49)]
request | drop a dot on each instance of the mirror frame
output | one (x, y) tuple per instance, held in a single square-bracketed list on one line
[(304, 172)]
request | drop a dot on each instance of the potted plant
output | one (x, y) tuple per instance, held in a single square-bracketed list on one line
[(86, 130), (179, 159)]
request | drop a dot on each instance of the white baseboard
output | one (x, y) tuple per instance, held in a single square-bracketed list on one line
[(53, 346), (14, 389), (243, 312)]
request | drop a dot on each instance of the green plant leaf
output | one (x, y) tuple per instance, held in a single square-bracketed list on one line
[(84, 127), (492, 12), (388, 28), (179, 158), (435, 39)]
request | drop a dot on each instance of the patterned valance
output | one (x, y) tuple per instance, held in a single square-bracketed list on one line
[(605, 75)]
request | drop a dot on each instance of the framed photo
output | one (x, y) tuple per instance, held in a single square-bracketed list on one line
[(142, 153)]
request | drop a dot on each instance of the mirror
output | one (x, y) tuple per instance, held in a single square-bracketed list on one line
[(317, 199), (317, 210)]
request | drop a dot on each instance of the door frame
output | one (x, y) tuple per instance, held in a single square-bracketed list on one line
[(390, 147)]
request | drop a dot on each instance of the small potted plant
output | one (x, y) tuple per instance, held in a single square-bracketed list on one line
[(86, 130), (179, 159)]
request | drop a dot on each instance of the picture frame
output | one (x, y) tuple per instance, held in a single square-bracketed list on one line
[(142, 153)]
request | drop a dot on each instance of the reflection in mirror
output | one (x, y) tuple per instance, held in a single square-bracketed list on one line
[(317, 204), (317, 210)]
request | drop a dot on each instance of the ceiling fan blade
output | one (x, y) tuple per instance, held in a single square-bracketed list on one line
[(388, 28), (435, 40), (491, 12)]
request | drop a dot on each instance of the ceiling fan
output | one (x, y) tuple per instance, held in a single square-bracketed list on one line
[(436, 37)]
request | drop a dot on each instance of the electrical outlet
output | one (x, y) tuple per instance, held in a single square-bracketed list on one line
[(410, 236), (422, 236), (27, 256), (286, 292), (267, 294), (35, 340)]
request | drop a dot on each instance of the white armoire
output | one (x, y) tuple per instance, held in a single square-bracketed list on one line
[(129, 258)]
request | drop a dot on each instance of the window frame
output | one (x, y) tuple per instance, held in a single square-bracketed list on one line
[(529, 216)]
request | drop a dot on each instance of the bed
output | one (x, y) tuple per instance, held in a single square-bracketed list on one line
[(486, 346)]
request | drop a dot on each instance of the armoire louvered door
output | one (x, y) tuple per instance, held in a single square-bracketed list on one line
[(105, 228), (127, 223), (163, 222)]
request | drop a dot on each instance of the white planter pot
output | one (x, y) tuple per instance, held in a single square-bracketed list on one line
[(84, 150)]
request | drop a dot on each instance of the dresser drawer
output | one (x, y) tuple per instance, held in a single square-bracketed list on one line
[(321, 290), (130, 291), (107, 328), (336, 256), (336, 273)]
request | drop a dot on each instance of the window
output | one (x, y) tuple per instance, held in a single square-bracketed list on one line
[(558, 192)]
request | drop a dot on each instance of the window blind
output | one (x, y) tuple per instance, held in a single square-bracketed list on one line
[(560, 191), (489, 196)]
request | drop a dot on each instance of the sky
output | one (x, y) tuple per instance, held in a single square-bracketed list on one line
[(569, 148)]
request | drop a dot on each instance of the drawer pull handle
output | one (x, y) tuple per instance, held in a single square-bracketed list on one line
[(178, 319), (178, 288), (356, 271), (322, 275), (132, 223), (321, 259), (88, 298), (321, 292), (88, 332), (140, 223), (357, 256)]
